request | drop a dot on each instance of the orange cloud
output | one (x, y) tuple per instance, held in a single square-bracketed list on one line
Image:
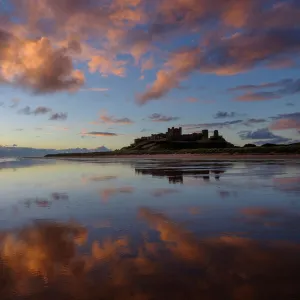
[(106, 119), (107, 66), (36, 65)]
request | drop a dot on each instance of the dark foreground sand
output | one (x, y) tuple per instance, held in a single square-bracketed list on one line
[(195, 156)]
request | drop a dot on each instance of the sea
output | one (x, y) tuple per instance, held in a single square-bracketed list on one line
[(136, 228)]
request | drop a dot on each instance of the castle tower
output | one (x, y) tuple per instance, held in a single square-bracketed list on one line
[(205, 134), (216, 134)]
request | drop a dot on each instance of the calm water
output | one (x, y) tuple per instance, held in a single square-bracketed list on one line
[(149, 229)]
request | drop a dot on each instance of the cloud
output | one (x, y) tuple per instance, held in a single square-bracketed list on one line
[(145, 130), (254, 121), (58, 117), (224, 114), (286, 121), (107, 66), (290, 104), (41, 110), (95, 89), (147, 64), (25, 111), (212, 125), (161, 118), (15, 102), (192, 100), (231, 37), (37, 65), (99, 133), (260, 96), (239, 53), (285, 87), (280, 83), (106, 119), (264, 135)]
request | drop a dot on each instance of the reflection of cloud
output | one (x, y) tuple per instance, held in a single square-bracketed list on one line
[(227, 194), (163, 192), (177, 265), (59, 196), (271, 217), (287, 184), (107, 193), (98, 178)]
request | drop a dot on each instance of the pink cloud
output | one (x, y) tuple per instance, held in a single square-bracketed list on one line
[(285, 124)]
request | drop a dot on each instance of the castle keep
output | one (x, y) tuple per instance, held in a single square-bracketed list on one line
[(175, 134)]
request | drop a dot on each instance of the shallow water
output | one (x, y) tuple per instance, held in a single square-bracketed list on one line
[(149, 229)]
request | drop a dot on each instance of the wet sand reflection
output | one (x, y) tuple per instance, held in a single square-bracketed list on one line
[(47, 260)]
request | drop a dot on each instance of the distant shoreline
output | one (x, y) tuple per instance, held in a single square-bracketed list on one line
[(182, 156)]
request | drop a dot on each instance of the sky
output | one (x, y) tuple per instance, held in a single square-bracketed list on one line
[(87, 73)]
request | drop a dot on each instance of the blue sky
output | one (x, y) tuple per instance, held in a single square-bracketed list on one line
[(90, 76)]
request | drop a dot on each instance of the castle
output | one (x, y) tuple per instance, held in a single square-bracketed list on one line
[(175, 134)]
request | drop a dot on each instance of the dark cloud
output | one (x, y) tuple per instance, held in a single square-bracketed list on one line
[(25, 111), (295, 116), (212, 125), (41, 110), (290, 104), (280, 83), (58, 117), (254, 121), (286, 87), (264, 135), (161, 118), (145, 130), (99, 133), (224, 115)]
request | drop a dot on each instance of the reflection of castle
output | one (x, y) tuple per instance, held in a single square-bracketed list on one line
[(175, 134), (176, 175)]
